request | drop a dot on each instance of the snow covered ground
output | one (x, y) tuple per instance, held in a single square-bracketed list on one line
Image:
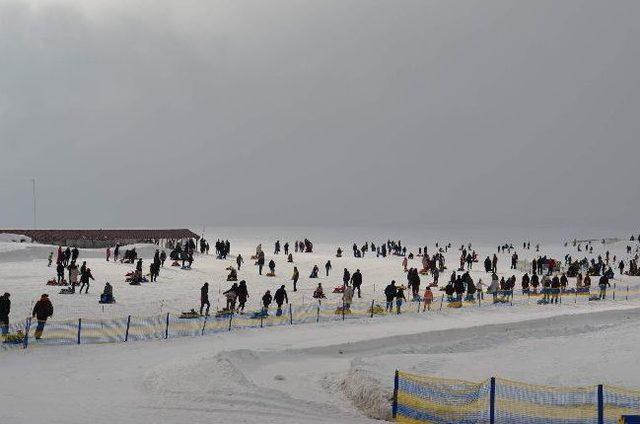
[(328, 372)]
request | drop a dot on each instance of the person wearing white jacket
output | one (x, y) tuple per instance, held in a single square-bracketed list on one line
[(347, 297)]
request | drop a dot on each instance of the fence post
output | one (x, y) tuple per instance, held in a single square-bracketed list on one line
[(27, 327), (166, 330), (600, 404), (576, 298), (343, 306), (627, 295), (511, 297), (290, 315), (318, 313), (79, 328), (372, 308), (492, 400), (394, 410), (441, 300), (204, 324), (230, 320), (126, 333), (614, 291)]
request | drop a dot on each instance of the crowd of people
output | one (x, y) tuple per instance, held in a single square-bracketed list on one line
[(541, 275)]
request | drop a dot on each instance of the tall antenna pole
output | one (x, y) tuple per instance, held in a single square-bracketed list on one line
[(35, 222)]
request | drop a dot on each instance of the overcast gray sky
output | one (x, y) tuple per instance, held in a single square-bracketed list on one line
[(145, 113)]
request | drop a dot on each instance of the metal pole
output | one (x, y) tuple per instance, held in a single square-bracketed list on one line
[(394, 410), (492, 400), (126, 334), (600, 404), (204, 324), (35, 222)]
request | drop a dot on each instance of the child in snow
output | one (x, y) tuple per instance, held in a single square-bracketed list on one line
[(427, 299)]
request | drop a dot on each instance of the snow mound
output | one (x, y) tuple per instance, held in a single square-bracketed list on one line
[(365, 392)]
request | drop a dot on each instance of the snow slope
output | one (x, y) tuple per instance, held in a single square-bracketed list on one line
[(309, 374)]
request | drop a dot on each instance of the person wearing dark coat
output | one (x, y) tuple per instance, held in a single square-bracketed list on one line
[(603, 284), (390, 293), (107, 294), (280, 297), (84, 279), (327, 267), (154, 271), (5, 309), (525, 283), (535, 282), (243, 294), (260, 263), (42, 310), (487, 264), (555, 289), (266, 300), (74, 254), (272, 267), (60, 271), (204, 298), (458, 288), (356, 281), (346, 276)]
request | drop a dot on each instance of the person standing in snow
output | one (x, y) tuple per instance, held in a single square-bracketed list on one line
[(356, 281), (239, 261), (295, 277), (73, 277), (231, 295), (346, 276), (5, 309), (347, 298), (60, 271), (266, 300), (42, 310), (427, 299), (603, 284), (243, 294), (327, 267), (399, 298), (260, 262), (390, 294), (84, 279), (204, 298), (280, 297)]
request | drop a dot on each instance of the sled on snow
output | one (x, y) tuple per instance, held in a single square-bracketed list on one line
[(376, 310), (15, 339), (192, 314)]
